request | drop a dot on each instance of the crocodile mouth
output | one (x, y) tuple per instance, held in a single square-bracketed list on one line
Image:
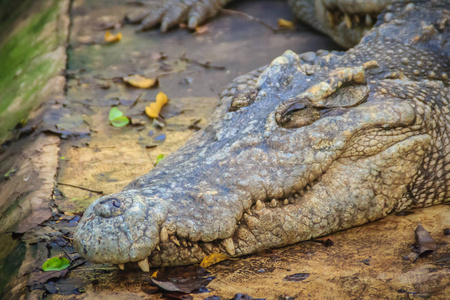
[(348, 21), (171, 242), (337, 18)]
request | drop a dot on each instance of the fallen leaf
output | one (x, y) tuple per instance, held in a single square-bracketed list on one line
[(155, 107), (117, 119), (158, 159), (425, 242), (10, 173), (115, 113), (39, 277), (111, 38), (182, 279), (213, 259), (296, 277), (140, 81), (51, 287), (56, 264), (120, 121), (285, 23)]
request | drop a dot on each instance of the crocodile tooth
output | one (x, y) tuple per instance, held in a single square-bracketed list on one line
[(357, 19), (184, 243), (302, 193), (273, 203), (249, 212), (259, 205), (348, 21), (122, 266), (209, 246), (368, 20), (157, 248), (143, 264), (286, 201), (175, 240), (189, 244), (164, 236), (229, 245)]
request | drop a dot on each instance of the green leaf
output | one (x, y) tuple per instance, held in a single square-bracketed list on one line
[(56, 264), (115, 113), (10, 173), (159, 158), (120, 121)]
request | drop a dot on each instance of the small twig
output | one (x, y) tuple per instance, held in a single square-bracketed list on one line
[(70, 240), (137, 100), (174, 72), (205, 65), (96, 268), (250, 17), (81, 188)]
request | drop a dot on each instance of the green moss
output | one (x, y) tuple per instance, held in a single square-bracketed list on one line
[(10, 261), (25, 64)]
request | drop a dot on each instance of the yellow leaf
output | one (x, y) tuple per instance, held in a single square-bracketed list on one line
[(155, 107), (285, 23), (110, 38), (213, 259), (140, 81), (154, 274)]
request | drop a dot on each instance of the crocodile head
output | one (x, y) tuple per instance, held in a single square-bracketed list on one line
[(345, 21), (294, 157)]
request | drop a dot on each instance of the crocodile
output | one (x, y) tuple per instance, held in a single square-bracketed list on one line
[(312, 144), (345, 21)]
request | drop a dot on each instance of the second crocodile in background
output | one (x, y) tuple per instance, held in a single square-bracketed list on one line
[(310, 145)]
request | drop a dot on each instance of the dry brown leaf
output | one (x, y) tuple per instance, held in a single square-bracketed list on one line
[(155, 107), (140, 81), (111, 38), (182, 279), (285, 23), (213, 259)]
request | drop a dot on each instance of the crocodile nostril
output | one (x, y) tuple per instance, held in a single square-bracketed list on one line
[(116, 203), (109, 207)]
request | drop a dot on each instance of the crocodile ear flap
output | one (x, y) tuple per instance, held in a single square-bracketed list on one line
[(281, 71)]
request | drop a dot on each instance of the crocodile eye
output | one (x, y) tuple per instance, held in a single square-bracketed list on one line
[(243, 98), (116, 203), (298, 115)]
